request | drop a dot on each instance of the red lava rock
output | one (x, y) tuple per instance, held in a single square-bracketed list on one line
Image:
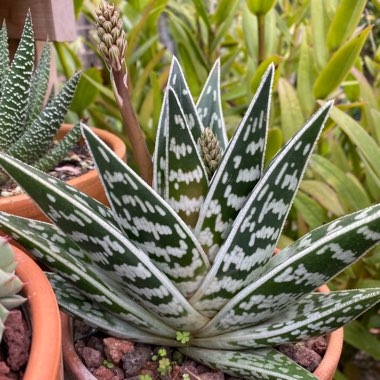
[(17, 338), (115, 348), (79, 346), (319, 345), (211, 376), (95, 343), (201, 369), (302, 355), (135, 360), (103, 373), (4, 369), (92, 358), (118, 373)]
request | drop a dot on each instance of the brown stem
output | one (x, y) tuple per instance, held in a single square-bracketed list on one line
[(261, 34), (131, 126)]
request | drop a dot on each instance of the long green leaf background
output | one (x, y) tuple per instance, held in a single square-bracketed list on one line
[(322, 49)]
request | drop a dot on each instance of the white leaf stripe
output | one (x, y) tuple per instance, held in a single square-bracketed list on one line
[(209, 105), (77, 304), (315, 315), (267, 364), (147, 219), (187, 181), (118, 257), (256, 230), (62, 255), (298, 271), (238, 172)]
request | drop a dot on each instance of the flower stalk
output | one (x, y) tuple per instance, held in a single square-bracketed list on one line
[(113, 45)]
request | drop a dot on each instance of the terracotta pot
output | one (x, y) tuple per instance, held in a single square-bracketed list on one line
[(89, 183), (76, 370), (45, 360)]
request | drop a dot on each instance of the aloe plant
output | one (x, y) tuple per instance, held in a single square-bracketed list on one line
[(10, 284), (189, 263), (27, 129)]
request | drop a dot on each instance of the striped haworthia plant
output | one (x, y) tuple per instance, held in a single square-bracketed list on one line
[(195, 254), (27, 128)]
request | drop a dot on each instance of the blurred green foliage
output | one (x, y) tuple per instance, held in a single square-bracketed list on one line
[(321, 48)]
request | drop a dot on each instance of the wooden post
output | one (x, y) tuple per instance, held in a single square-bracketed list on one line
[(52, 19)]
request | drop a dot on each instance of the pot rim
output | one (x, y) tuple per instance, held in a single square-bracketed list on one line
[(45, 359)]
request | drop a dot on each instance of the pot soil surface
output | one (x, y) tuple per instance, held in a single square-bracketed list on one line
[(15, 346), (77, 162), (109, 358)]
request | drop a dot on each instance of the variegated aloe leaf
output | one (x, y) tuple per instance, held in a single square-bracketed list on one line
[(297, 270), (262, 363), (238, 172), (148, 221), (209, 106), (15, 93), (39, 86), (186, 178), (58, 252), (77, 303), (178, 84), (315, 315), (109, 250), (28, 148), (257, 228), (59, 151), (4, 56)]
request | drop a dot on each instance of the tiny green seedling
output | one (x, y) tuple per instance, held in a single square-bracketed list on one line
[(164, 366), (183, 336), (145, 377)]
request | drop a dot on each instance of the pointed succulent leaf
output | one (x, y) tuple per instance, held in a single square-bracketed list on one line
[(148, 221), (297, 270), (238, 172), (77, 303), (187, 180), (7, 262), (58, 252), (38, 136), (257, 228), (15, 93), (209, 106), (268, 364), (178, 84), (315, 315), (3, 316), (9, 284), (4, 56), (39, 86), (59, 151), (108, 248)]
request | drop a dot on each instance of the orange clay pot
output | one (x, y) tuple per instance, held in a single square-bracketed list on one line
[(76, 370), (89, 183), (45, 359)]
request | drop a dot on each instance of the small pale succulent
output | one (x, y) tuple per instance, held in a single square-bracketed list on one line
[(189, 263), (27, 129), (10, 284)]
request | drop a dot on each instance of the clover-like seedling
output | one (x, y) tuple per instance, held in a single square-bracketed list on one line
[(183, 336)]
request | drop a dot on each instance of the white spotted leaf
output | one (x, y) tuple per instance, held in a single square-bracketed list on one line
[(297, 270), (148, 221), (4, 56), (187, 180), (238, 172), (256, 230), (109, 250), (178, 84), (268, 364), (209, 106), (77, 304), (59, 253), (315, 315)]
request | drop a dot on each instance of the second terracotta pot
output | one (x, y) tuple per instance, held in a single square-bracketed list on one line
[(89, 183), (45, 358)]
